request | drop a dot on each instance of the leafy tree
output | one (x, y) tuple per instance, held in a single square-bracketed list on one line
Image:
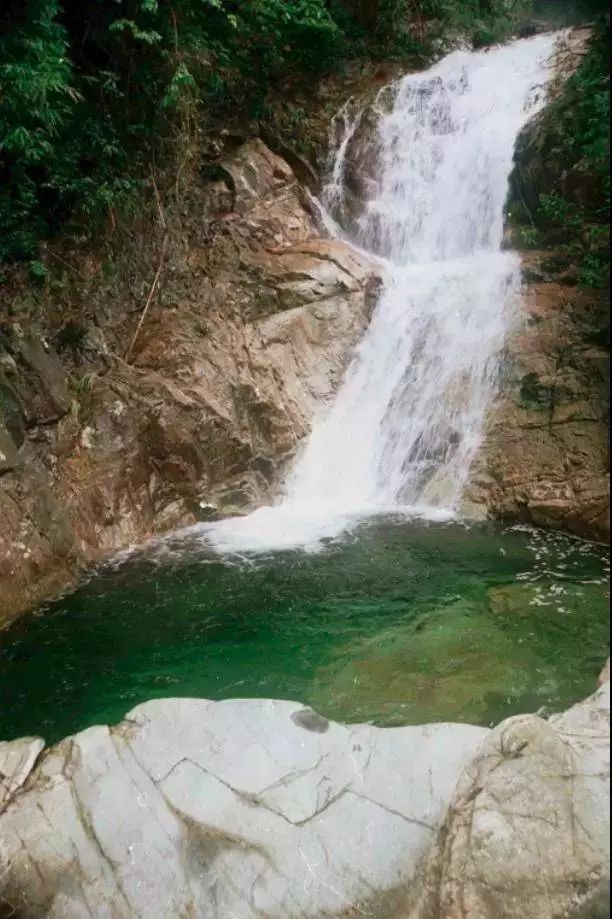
[(91, 90)]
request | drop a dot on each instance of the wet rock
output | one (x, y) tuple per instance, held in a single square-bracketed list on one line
[(544, 457), (530, 27), (359, 119), (539, 166), (546, 445), (310, 721)]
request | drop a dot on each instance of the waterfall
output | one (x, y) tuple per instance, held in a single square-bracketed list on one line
[(409, 415)]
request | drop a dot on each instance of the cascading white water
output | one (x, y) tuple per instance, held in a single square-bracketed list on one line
[(405, 425)]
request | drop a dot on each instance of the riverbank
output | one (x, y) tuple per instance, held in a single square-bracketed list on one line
[(255, 806)]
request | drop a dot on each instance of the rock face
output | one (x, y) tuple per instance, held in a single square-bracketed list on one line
[(355, 128), (527, 832), (540, 167), (545, 453), (259, 808), (251, 333)]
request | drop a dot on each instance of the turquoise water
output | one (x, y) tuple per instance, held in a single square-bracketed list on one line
[(398, 623)]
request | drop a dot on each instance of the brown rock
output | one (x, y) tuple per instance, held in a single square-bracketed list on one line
[(35, 378), (252, 334), (545, 454)]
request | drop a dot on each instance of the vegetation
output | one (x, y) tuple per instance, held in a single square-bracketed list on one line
[(581, 116), (574, 144), (91, 91)]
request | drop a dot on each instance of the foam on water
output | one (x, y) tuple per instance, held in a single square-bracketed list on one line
[(408, 418)]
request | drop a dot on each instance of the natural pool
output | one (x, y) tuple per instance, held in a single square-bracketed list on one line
[(397, 623)]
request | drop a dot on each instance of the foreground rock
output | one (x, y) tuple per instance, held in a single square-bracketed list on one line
[(227, 809), (253, 326), (259, 808), (528, 829)]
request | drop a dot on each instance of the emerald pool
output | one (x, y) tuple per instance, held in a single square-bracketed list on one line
[(395, 623)]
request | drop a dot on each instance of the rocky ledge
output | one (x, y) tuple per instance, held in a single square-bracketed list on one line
[(254, 808), (251, 331)]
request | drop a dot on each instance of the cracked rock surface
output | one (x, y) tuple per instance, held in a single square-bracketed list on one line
[(239, 808), (528, 830), (258, 808)]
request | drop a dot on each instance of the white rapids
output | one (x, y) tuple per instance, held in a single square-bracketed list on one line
[(408, 419)]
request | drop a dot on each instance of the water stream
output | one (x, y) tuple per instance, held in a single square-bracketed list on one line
[(395, 620), (408, 418)]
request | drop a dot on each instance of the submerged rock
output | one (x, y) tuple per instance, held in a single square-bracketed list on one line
[(460, 665), (263, 808)]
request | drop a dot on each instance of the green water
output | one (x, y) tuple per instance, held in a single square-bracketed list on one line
[(399, 623)]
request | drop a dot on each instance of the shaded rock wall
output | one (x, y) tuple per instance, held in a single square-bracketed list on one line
[(541, 166)]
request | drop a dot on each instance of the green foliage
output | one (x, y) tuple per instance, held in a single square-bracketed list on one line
[(38, 270), (562, 13), (581, 114), (533, 393), (586, 241), (82, 386), (89, 89), (594, 270), (575, 146), (71, 337), (528, 237), (484, 21), (92, 90), (399, 27)]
